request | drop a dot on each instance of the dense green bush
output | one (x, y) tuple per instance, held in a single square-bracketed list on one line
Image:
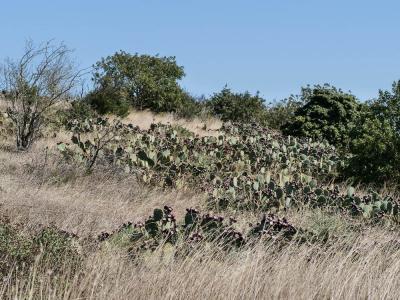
[(109, 100), (238, 107), (387, 106), (142, 81), (375, 155), (327, 113), (376, 140)]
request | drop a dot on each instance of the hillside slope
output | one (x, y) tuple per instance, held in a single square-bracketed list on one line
[(326, 241)]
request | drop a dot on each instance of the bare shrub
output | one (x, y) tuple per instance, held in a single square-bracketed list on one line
[(44, 75)]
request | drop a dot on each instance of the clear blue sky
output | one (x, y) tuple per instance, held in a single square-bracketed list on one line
[(274, 46)]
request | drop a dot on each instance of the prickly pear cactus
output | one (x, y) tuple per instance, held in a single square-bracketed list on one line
[(246, 167)]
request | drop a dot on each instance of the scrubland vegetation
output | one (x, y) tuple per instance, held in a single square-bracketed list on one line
[(136, 189)]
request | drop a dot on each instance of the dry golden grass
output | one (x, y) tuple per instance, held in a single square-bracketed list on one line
[(36, 188), (363, 267)]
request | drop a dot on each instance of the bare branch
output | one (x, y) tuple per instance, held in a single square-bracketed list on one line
[(43, 76)]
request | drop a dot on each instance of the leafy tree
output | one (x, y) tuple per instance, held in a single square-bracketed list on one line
[(238, 107), (327, 113), (387, 106), (143, 81), (375, 155), (376, 140)]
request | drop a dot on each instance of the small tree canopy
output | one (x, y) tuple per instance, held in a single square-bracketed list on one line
[(146, 82), (238, 107), (387, 106), (375, 140), (327, 113), (375, 157)]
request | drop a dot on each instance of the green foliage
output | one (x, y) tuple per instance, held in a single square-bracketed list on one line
[(327, 113), (387, 106), (282, 112), (106, 99), (80, 110), (56, 245), (142, 81), (13, 247), (238, 107), (375, 152), (21, 248), (375, 142)]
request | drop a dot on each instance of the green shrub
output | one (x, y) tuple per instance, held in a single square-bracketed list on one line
[(376, 140), (142, 81), (14, 247), (327, 113), (20, 248), (238, 107), (56, 245), (387, 106), (81, 110), (109, 101), (375, 155), (282, 112)]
